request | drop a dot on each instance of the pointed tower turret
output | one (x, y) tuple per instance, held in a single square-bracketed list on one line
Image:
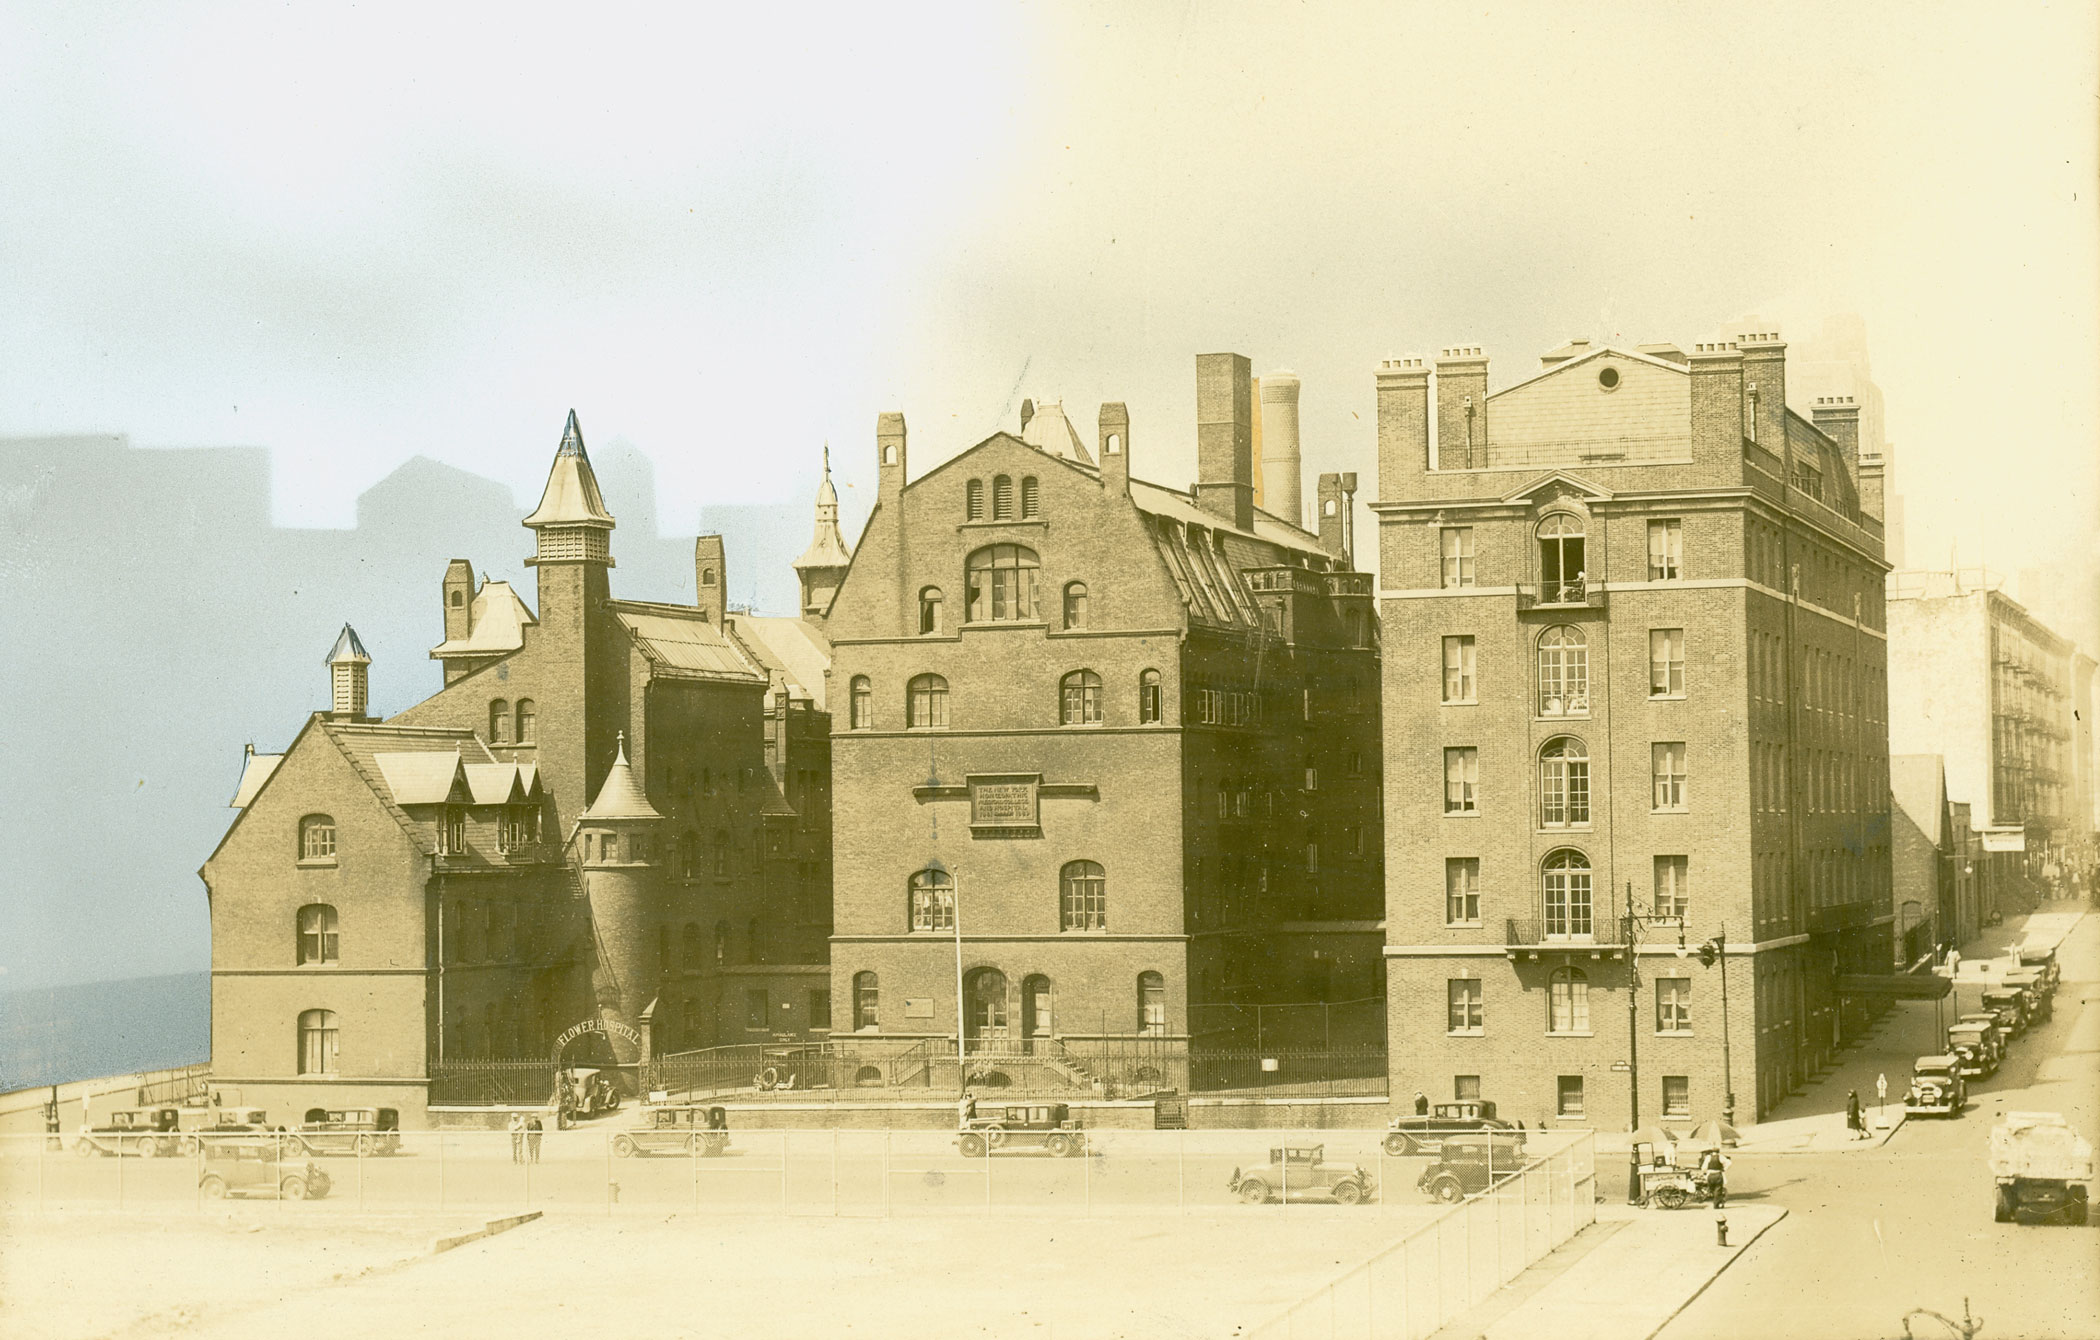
[(617, 843), (571, 523), (348, 664), (823, 565)]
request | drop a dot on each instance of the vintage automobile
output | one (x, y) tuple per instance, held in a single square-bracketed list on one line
[(2044, 961), (1975, 1056), (2011, 1008), (351, 1130), (205, 1126), (1301, 1172), (1045, 1126), (678, 1129), (1420, 1133), (2029, 983), (586, 1093), (259, 1166), (1465, 1164), (1994, 1031), (1936, 1088), (142, 1132)]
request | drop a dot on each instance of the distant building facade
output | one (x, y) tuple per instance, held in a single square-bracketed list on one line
[(614, 815), (1935, 860), (1127, 734), (1634, 654)]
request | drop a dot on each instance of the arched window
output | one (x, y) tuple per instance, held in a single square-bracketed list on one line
[(986, 992), (932, 901), (707, 576), (317, 933), (499, 721), (317, 838), (721, 854), (973, 503), (863, 708), (1002, 580), (693, 948), (1569, 992), (1075, 605), (1564, 782), (1002, 498), (317, 1042), (459, 598), (1079, 699), (926, 703), (930, 610), (1035, 1010), (1564, 672), (1031, 497), (721, 943), (528, 720), (1567, 896), (1082, 897), (1563, 574), (1149, 706), (689, 856), (1152, 1004), (867, 1001)]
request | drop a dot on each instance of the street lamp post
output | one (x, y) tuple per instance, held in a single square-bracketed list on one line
[(954, 878), (1712, 952), (1633, 1047)]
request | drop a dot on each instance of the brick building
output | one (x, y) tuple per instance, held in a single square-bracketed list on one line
[(1634, 654), (614, 813), (1130, 731), (1934, 860)]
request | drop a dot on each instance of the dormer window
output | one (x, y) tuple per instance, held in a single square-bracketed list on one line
[(452, 830)]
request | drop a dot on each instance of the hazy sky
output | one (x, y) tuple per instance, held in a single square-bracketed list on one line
[(354, 234)]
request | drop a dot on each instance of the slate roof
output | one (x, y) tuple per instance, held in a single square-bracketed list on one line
[(620, 796), (795, 651), (572, 496), (679, 641), (496, 624), (348, 648)]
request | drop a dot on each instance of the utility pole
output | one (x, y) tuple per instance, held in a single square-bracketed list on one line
[(1633, 1049)]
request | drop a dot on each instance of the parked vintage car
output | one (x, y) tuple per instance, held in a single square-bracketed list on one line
[(2011, 1008), (678, 1129), (1465, 1164), (1420, 1134), (2035, 993), (1301, 1172), (1936, 1088), (2044, 961), (586, 1093), (140, 1132), (1975, 1056), (1045, 1126), (351, 1130), (1999, 1035), (259, 1166)]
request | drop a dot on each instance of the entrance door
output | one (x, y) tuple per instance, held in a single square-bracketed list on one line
[(986, 1021), (1035, 1014)]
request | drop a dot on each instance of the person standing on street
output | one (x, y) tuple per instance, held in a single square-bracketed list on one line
[(1421, 1103), (517, 1137), (1855, 1121), (533, 1129)]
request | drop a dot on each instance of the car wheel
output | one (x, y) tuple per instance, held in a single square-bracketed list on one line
[(292, 1188), (972, 1146), (1254, 1191), (1448, 1191), (213, 1187), (1398, 1145), (624, 1147), (149, 1149), (85, 1148), (1347, 1193), (995, 1136), (1671, 1197), (1058, 1145), (2074, 1214)]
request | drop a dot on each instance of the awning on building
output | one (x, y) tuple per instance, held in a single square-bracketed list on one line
[(1895, 986)]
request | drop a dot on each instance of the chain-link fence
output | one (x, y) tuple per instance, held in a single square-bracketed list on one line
[(606, 1169), (1451, 1264)]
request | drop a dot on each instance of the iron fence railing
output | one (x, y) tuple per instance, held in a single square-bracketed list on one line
[(1573, 931), (491, 1083)]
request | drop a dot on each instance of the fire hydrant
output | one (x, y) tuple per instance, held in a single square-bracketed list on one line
[(1720, 1230)]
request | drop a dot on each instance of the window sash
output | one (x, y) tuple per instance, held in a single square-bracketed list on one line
[(1564, 679), (929, 705), (932, 908), (1673, 1004), (1571, 1005), (1569, 1096), (1672, 898), (1457, 551), (1669, 776), (1570, 910), (1677, 1096), (1459, 665), (1564, 792), (1462, 891), (1463, 997), (1461, 781), (1149, 702), (1085, 902), (1665, 551), (1666, 662)]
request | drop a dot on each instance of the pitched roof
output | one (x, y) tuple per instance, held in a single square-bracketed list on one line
[(572, 496), (620, 796), (794, 650), (827, 548), (502, 783), (680, 641), (1049, 430), (348, 648), (496, 624), (254, 773), (422, 778)]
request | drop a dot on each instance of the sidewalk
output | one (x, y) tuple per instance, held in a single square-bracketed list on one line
[(1623, 1278)]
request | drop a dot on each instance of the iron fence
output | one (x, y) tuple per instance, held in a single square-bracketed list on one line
[(491, 1083)]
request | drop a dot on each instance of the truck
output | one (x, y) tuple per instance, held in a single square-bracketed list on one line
[(2043, 1168)]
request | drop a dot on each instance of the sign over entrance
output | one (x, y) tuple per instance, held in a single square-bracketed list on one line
[(1005, 805), (610, 1027)]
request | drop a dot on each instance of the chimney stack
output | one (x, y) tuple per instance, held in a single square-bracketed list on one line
[(1282, 484), (1764, 389), (1838, 417), (1225, 438), (1113, 445), (1027, 413), (1337, 499), (889, 457), (710, 579), (1718, 426), (1403, 420), (1461, 409)]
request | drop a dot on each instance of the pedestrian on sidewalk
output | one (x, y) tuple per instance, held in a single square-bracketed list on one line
[(517, 1137), (1855, 1120), (533, 1129)]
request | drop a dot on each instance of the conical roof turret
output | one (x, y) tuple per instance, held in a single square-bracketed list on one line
[(348, 648), (571, 497), (621, 796), (827, 549)]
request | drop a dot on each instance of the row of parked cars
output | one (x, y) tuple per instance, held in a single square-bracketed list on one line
[(180, 1132), (1978, 1041)]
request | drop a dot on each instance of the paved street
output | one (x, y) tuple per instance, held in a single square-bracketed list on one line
[(1874, 1234)]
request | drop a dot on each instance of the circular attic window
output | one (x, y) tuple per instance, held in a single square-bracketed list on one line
[(1608, 378)]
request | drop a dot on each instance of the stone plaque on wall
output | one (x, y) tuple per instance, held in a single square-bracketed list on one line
[(1005, 804), (918, 1007)]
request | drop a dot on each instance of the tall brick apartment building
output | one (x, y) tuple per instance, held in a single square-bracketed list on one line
[(1129, 731), (614, 813), (1634, 641)]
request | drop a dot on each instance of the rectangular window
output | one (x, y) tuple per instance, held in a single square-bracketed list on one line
[(1666, 663), (820, 1007), (1465, 1088), (1463, 997), (1677, 1095), (1665, 551), (1458, 555), (758, 1009), (1671, 898), (1673, 1004), (1669, 775), (1462, 891), (1461, 781), (1570, 1096), (1458, 670)]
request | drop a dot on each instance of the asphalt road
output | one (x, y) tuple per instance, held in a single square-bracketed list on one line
[(1871, 1236)]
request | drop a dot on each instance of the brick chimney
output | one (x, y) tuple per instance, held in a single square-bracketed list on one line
[(1718, 426), (1403, 420), (889, 457), (1764, 389), (1461, 408), (1337, 498), (1838, 417), (1113, 446), (1225, 438), (710, 578)]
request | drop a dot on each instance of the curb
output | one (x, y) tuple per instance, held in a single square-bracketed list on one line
[(1738, 1255), (487, 1230)]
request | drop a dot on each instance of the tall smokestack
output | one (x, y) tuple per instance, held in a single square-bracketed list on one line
[(1281, 483), (1225, 438)]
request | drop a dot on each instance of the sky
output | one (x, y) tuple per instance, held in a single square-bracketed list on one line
[(357, 234)]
